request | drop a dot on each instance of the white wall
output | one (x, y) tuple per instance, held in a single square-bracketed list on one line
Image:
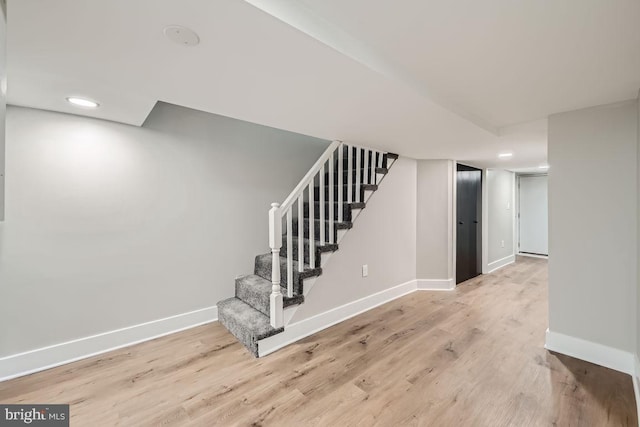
[(109, 225), (500, 196), (593, 226), (383, 237), (434, 243)]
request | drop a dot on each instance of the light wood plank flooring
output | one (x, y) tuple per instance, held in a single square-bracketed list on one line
[(472, 357)]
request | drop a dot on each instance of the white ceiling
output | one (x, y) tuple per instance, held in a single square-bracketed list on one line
[(503, 61), (427, 79)]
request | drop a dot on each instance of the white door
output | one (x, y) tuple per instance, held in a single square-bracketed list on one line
[(533, 209)]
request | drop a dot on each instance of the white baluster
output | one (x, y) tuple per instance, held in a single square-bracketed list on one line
[(350, 174), (357, 195), (321, 204), (312, 231), (276, 308), (300, 232), (366, 167), (331, 200), (340, 180), (372, 173), (289, 220)]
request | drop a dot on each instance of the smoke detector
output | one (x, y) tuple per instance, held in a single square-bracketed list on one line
[(181, 35)]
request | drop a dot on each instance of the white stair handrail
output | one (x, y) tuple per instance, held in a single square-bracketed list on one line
[(276, 213), (289, 201), (306, 245)]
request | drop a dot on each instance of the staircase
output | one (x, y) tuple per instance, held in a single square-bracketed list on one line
[(303, 231)]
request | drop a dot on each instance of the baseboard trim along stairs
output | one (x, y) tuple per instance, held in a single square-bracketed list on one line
[(304, 231), (302, 329)]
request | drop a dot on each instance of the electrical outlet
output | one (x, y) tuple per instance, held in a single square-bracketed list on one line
[(508, 205), (502, 243), (365, 270)]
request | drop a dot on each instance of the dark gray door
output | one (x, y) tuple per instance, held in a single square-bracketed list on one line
[(469, 227)]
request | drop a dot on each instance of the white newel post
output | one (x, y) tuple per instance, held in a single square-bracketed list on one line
[(275, 242)]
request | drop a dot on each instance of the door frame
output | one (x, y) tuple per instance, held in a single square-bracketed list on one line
[(516, 244), (485, 217), (454, 218)]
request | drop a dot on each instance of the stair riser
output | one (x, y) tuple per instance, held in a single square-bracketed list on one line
[(346, 159), (346, 211), (243, 336), (373, 179), (316, 193), (294, 245), (318, 250), (246, 323), (316, 229), (263, 268), (259, 301)]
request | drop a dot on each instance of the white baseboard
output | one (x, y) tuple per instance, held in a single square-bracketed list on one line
[(533, 255), (298, 330), (493, 266), (599, 354), (435, 284), (44, 358)]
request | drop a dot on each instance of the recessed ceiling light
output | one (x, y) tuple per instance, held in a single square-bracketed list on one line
[(543, 167), (82, 102), (181, 35), (505, 155)]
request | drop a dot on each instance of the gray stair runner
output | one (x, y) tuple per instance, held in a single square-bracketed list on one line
[(246, 315)]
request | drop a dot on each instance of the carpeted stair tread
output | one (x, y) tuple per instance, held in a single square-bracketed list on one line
[(256, 291), (319, 249), (385, 157), (246, 323), (355, 171), (263, 268), (353, 205), (345, 191), (345, 186), (344, 225), (346, 209), (325, 247)]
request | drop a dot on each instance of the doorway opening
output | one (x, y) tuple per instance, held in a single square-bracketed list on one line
[(468, 220), (533, 215)]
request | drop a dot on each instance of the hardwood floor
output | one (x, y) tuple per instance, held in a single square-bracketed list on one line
[(471, 357)]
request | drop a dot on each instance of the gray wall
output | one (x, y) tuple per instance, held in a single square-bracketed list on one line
[(638, 243), (3, 100), (434, 243), (110, 225), (500, 215), (383, 237), (592, 224)]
